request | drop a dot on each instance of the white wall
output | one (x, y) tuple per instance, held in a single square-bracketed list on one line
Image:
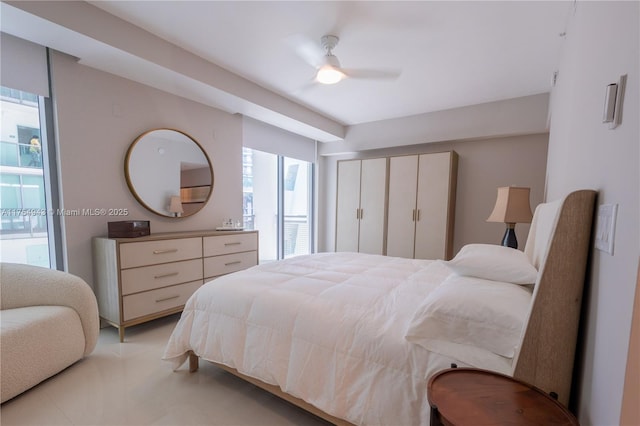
[(98, 116), (601, 44), (266, 138), (23, 65), (525, 115), (483, 166)]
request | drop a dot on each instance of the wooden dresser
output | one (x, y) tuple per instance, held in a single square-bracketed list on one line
[(140, 279)]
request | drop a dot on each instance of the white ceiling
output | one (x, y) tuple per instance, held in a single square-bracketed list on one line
[(450, 53)]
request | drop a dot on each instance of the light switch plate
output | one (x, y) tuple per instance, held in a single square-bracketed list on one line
[(606, 227)]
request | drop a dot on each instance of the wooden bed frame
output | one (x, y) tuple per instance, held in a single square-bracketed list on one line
[(546, 354), (193, 367)]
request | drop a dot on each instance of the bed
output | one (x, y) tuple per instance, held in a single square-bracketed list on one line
[(354, 338)]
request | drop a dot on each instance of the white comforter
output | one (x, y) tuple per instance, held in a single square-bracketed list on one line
[(327, 328)]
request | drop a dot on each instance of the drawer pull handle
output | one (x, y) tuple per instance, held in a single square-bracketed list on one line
[(170, 274), (174, 250), (233, 263), (233, 244), (164, 299)]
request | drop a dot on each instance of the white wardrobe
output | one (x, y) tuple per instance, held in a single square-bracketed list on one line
[(361, 201), (422, 205), (400, 206)]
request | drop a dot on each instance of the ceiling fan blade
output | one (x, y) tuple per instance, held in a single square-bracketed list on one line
[(377, 74), (311, 83), (308, 50)]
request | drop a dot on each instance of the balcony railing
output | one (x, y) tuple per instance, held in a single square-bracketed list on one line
[(14, 223), (19, 155)]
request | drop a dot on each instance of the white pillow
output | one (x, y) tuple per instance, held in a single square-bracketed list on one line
[(493, 262), (470, 311)]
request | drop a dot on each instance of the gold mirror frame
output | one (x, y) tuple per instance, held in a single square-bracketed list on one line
[(156, 160)]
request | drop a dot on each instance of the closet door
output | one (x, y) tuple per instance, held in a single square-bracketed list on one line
[(435, 202), (348, 206), (373, 197), (403, 177)]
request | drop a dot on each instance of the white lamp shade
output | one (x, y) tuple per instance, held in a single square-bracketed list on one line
[(175, 206)]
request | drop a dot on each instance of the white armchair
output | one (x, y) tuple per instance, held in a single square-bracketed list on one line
[(48, 321)]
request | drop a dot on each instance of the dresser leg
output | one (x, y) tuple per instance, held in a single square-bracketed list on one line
[(121, 333)]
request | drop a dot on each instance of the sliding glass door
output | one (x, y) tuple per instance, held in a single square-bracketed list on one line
[(296, 194), (277, 194)]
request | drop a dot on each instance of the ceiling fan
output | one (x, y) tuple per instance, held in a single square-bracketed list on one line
[(330, 72), (328, 68)]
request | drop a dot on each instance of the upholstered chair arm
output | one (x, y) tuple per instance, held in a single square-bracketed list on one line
[(27, 285)]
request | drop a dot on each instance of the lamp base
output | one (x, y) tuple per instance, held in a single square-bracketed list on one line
[(509, 239)]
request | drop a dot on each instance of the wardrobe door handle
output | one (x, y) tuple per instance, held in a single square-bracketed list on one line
[(361, 213), (418, 216)]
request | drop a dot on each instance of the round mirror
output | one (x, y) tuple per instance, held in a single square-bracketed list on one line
[(169, 173)]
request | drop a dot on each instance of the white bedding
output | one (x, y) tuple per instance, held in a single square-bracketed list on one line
[(328, 328)]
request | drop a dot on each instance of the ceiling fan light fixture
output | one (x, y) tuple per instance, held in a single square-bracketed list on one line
[(328, 74)]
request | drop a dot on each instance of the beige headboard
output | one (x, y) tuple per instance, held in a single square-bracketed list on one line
[(558, 244)]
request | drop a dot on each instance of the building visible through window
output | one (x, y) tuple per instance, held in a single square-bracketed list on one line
[(23, 226)]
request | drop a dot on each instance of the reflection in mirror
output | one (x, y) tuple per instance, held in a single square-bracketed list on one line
[(169, 173)]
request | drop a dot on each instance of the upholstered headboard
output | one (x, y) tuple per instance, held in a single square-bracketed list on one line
[(558, 245)]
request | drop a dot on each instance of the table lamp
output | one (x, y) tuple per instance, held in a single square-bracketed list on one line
[(175, 206), (512, 206)]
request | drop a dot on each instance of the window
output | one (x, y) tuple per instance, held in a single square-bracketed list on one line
[(24, 227), (277, 194)]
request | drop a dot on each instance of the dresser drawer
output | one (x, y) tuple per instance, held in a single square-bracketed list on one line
[(153, 252), (145, 278), (220, 265), (233, 243), (154, 301)]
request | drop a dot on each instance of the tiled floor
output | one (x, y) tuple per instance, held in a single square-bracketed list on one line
[(128, 384)]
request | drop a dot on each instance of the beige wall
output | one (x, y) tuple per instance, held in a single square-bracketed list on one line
[(98, 117), (585, 153), (484, 165)]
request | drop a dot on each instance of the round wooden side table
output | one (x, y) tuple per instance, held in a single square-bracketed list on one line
[(474, 397)]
